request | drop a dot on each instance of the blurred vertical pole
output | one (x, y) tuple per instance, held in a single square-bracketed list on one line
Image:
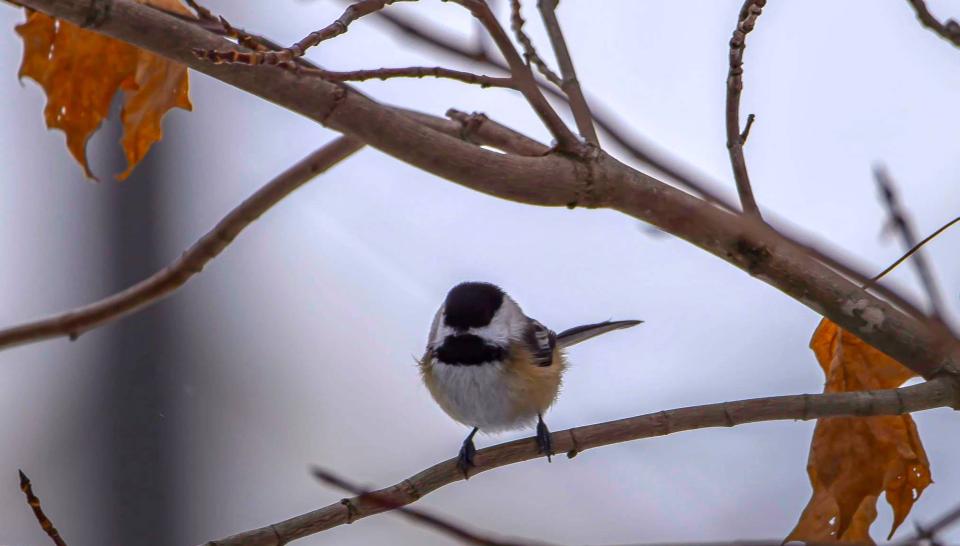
[(135, 383)]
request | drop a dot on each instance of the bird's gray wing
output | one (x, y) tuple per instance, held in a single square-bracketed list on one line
[(577, 334), (541, 341)]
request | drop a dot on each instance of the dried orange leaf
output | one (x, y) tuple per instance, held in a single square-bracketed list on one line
[(81, 71), (852, 460), (160, 86)]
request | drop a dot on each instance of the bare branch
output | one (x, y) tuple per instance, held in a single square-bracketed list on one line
[(735, 138), (334, 29), (898, 219), (42, 518), (455, 530), (949, 30), (551, 180), (191, 262), (644, 152), (410, 72), (529, 51), (940, 392), (570, 84), (523, 77)]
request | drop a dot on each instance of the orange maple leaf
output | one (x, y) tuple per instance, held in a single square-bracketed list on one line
[(81, 71), (854, 459)]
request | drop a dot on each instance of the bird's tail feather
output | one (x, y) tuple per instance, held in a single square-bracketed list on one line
[(577, 334)]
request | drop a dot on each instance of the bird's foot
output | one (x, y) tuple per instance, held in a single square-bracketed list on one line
[(543, 439), (465, 458)]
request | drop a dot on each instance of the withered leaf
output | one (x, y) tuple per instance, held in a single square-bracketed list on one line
[(81, 71), (854, 459)]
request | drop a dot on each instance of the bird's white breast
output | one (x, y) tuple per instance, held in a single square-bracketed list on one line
[(477, 396)]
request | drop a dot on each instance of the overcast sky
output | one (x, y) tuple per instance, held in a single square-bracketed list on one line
[(298, 344)]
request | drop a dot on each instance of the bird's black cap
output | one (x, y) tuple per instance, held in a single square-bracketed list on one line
[(472, 304)]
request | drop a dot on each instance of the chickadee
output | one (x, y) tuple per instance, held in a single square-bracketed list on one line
[(491, 367)]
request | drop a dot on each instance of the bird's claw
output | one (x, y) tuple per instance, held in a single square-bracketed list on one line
[(544, 445), (465, 458)]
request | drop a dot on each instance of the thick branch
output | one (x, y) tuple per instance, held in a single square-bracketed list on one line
[(552, 180), (735, 138), (191, 262), (570, 84), (950, 30), (941, 392)]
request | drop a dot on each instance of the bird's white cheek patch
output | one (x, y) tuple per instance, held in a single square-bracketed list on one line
[(477, 396)]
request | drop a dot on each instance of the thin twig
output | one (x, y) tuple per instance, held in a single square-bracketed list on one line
[(334, 29), (735, 138), (570, 85), (529, 51), (191, 262), (524, 79), (943, 391), (746, 130), (898, 218), (912, 251), (455, 530), (42, 518), (949, 30), (411, 72)]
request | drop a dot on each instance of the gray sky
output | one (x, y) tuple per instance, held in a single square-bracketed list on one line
[(298, 344)]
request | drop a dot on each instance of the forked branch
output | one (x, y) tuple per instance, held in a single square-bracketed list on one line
[(636, 147), (939, 392), (570, 84), (524, 78)]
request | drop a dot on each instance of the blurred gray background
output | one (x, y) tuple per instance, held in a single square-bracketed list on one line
[(199, 417)]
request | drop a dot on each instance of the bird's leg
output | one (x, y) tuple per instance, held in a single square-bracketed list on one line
[(465, 459), (543, 438)]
